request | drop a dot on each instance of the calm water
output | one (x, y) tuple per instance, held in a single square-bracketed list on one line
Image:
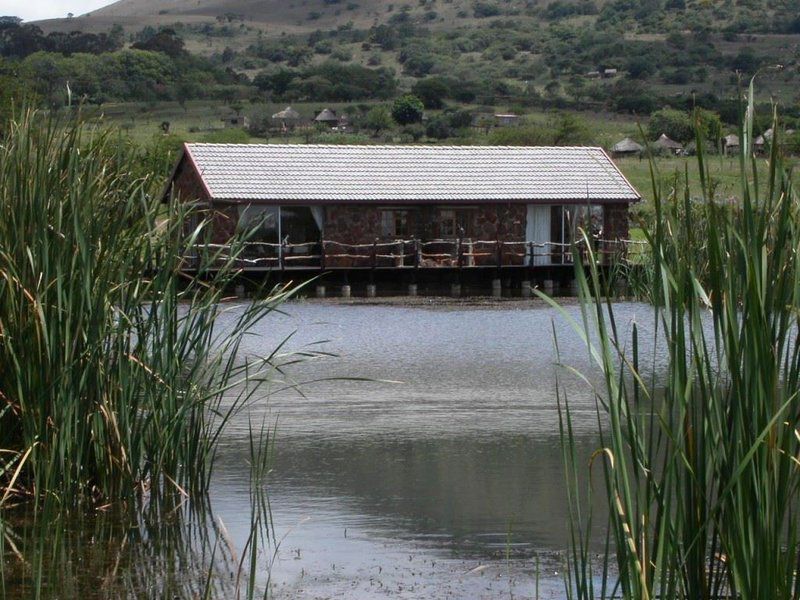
[(442, 478)]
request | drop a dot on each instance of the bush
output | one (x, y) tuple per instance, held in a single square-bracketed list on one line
[(438, 128), (485, 9), (413, 132), (460, 119), (432, 91), (407, 109), (378, 119)]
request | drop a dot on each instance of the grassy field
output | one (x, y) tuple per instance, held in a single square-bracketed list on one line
[(196, 119), (202, 121), (723, 171)]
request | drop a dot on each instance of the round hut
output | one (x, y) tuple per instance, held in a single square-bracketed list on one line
[(626, 147), (327, 117), (730, 144), (664, 142), (286, 119)]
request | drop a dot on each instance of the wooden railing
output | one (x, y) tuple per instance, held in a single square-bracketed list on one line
[(411, 254)]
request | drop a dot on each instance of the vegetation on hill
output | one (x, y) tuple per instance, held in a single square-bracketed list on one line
[(464, 58)]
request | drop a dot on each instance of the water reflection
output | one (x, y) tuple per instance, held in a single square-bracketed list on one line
[(441, 478), (457, 466), (168, 551)]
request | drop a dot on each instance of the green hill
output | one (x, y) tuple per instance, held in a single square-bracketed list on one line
[(548, 47), (628, 57)]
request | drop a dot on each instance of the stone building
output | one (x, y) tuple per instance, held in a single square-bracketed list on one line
[(333, 202)]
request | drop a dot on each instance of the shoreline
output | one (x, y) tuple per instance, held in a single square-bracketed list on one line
[(440, 302)]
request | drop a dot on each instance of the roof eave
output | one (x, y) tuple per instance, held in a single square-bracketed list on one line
[(423, 201)]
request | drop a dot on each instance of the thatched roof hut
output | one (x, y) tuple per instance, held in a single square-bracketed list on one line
[(327, 116), (666, 143), (626, 147), (730, 143), (287, 114), (763, 138), (730, 140)]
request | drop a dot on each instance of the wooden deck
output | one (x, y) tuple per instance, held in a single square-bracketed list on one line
[(405, 255)]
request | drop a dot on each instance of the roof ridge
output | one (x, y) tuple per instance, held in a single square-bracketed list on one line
[(394, 146)]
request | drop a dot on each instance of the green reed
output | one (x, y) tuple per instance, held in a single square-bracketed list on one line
[(700, 465), (115, 382)]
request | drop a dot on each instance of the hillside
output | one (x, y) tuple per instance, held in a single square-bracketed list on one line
[(476, 57), (674, 47), (628, 16)]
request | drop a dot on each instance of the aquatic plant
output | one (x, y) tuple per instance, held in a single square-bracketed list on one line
[(700, 465), (115, 382)]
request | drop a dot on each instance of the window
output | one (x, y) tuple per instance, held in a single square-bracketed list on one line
[(456, 222), (299, 224), (261, 222), (567, 221), (395, 223)]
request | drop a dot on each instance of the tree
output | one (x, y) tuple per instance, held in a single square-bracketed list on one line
[(675, 123), (407, 109), (639, 67), (680, 126), (378, 119), (11, 94), (165, 41), (568, 129), (746, 61), (438, 127), (709, 123), (432, 91)]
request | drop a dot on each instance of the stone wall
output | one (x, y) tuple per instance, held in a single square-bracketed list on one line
[(615, 221), (505, 222), (361, 224), (187, 185), (352, 224)]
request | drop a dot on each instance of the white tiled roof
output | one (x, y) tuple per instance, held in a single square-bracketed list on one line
[(408, 173)]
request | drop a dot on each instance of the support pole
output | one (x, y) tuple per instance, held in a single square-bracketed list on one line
[(497, 288)]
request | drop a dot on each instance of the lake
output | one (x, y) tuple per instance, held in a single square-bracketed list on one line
[(421, 459), (442, 477)]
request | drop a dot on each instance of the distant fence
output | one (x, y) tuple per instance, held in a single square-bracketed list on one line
[(463, 253)]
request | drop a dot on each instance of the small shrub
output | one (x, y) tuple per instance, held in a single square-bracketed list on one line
[(407, 109)]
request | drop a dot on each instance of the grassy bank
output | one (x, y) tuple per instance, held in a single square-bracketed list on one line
[(699, 465)]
